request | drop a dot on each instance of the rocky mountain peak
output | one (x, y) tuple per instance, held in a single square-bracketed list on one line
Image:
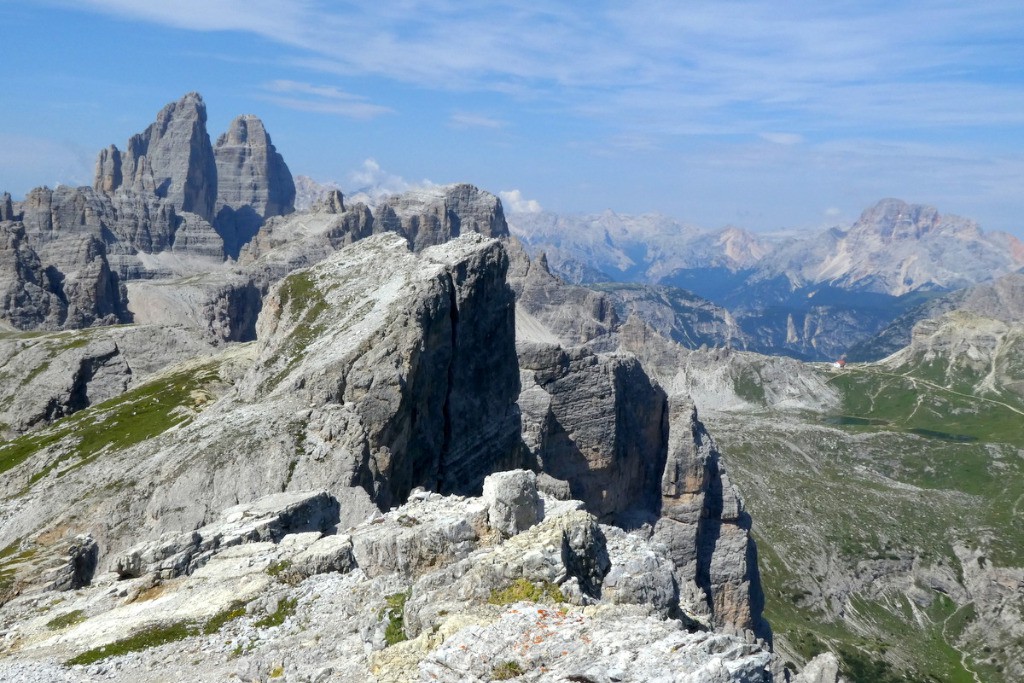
[(251, 172), (253, 182), (434, 215), (895, 220), (173, 156)]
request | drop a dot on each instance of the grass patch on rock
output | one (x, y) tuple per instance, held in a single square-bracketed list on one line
[(285, 608), (143, 640), (506, 670), (522, 590), (63, 621), (121, 422), (235, 611), (394, 611)]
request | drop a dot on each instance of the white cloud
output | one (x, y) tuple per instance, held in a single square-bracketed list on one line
[(321, 99), (515, 202), (372, 183), (468, 120)]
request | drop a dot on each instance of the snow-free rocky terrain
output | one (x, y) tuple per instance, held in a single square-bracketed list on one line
[(358, 443)]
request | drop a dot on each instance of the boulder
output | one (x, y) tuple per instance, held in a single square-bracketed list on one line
[(268, 519), (512, 501)]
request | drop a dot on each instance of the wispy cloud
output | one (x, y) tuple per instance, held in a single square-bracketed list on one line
[(470, 120), (322, 99), (782, 138), (680, 68)]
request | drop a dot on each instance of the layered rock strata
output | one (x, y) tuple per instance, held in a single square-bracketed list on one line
[(253, 182), (173, 156), (597, 422)]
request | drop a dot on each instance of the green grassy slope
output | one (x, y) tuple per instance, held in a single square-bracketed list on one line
[(864, 516)]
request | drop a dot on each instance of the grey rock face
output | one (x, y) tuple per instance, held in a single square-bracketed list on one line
[(824, 668), (75, 566), (549, 310), (599, 423), (6, 207), (27, 290), (706, 529), (253, 182), (512, 501), (433, 410), (437, 214), (267, 519), (173, 156), (53, 289)]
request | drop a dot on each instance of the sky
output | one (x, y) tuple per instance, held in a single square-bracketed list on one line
[(764, 114)]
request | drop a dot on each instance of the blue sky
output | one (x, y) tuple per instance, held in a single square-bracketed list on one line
[(760, 113)]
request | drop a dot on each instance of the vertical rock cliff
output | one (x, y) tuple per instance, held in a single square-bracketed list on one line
[(173, 156), (706, 529), (253, 182)]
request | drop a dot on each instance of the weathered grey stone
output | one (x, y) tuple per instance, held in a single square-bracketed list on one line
[(437, 214), (253, 182), (6, 207), (420, 537), (597, 422), (403, 359), (27, 296), (173, 156), (267, 519), (705, 529), (331, 202), (824, 668), (74, 568), (567, 547), (512, 501), (328, 554)]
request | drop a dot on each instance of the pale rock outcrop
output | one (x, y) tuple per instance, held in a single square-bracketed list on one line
[(437, 214), (264, 605), (512, 501), (173, 156), (402, 362), (824, 668), (268, 519), (301, 240), (219, 307), (597, 422), (253, 182), (706, 529)]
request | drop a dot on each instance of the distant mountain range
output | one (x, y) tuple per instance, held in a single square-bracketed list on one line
[(894, 248), (812, 297)]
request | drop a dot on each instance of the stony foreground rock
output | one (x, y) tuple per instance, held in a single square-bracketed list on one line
[(548, 604)]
